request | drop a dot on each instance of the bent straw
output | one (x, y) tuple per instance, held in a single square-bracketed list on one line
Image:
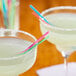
[(35, 42), (39, 17), (35, 45), (39, 14)]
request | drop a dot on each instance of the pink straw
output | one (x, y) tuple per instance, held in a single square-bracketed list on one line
[(39, 17), (9, 2), (9, 6), (34, 42)]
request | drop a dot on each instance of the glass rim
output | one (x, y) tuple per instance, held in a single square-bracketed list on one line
[(16, 56), (59, 8)]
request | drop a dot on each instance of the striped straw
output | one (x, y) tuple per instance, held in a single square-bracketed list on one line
[(35, 42), (39, 18), (34, 45), (36, 11)]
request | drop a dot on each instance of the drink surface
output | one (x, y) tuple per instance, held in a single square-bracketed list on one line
[(62, 20), (10, 63), (64, 40)]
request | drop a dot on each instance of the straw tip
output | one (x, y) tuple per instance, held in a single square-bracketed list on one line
[(30, 5), (20, 52), (48, 32)]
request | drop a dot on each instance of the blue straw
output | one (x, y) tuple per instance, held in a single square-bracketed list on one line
[(4, 7), (40, 14), (5, 13)]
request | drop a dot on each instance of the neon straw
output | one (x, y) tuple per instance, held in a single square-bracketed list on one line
[(4, 8), (39, 14), (5, 13), (9, 2), (35, 42), (9, 5), (34, 45), (12, 14), (39, 17)]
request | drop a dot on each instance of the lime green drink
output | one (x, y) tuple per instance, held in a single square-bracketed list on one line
[(64, 41), (12, 64), (63, 30)]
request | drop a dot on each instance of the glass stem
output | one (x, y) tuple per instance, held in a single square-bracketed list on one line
[(66, 65)]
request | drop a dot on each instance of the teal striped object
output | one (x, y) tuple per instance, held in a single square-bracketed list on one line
[(5, 13), (35, 45), (39, 14)]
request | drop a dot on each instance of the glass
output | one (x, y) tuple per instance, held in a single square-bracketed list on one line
[(9, 14), (11, 43), (63, 30)]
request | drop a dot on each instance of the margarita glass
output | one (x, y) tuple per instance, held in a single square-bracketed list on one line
[(11, 43), (63, 30)]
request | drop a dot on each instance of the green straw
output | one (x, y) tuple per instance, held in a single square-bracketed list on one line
[(35, 45), (12, 15)]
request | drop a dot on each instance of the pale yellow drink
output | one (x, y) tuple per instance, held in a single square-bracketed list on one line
[(10, 63), (63, 32)]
